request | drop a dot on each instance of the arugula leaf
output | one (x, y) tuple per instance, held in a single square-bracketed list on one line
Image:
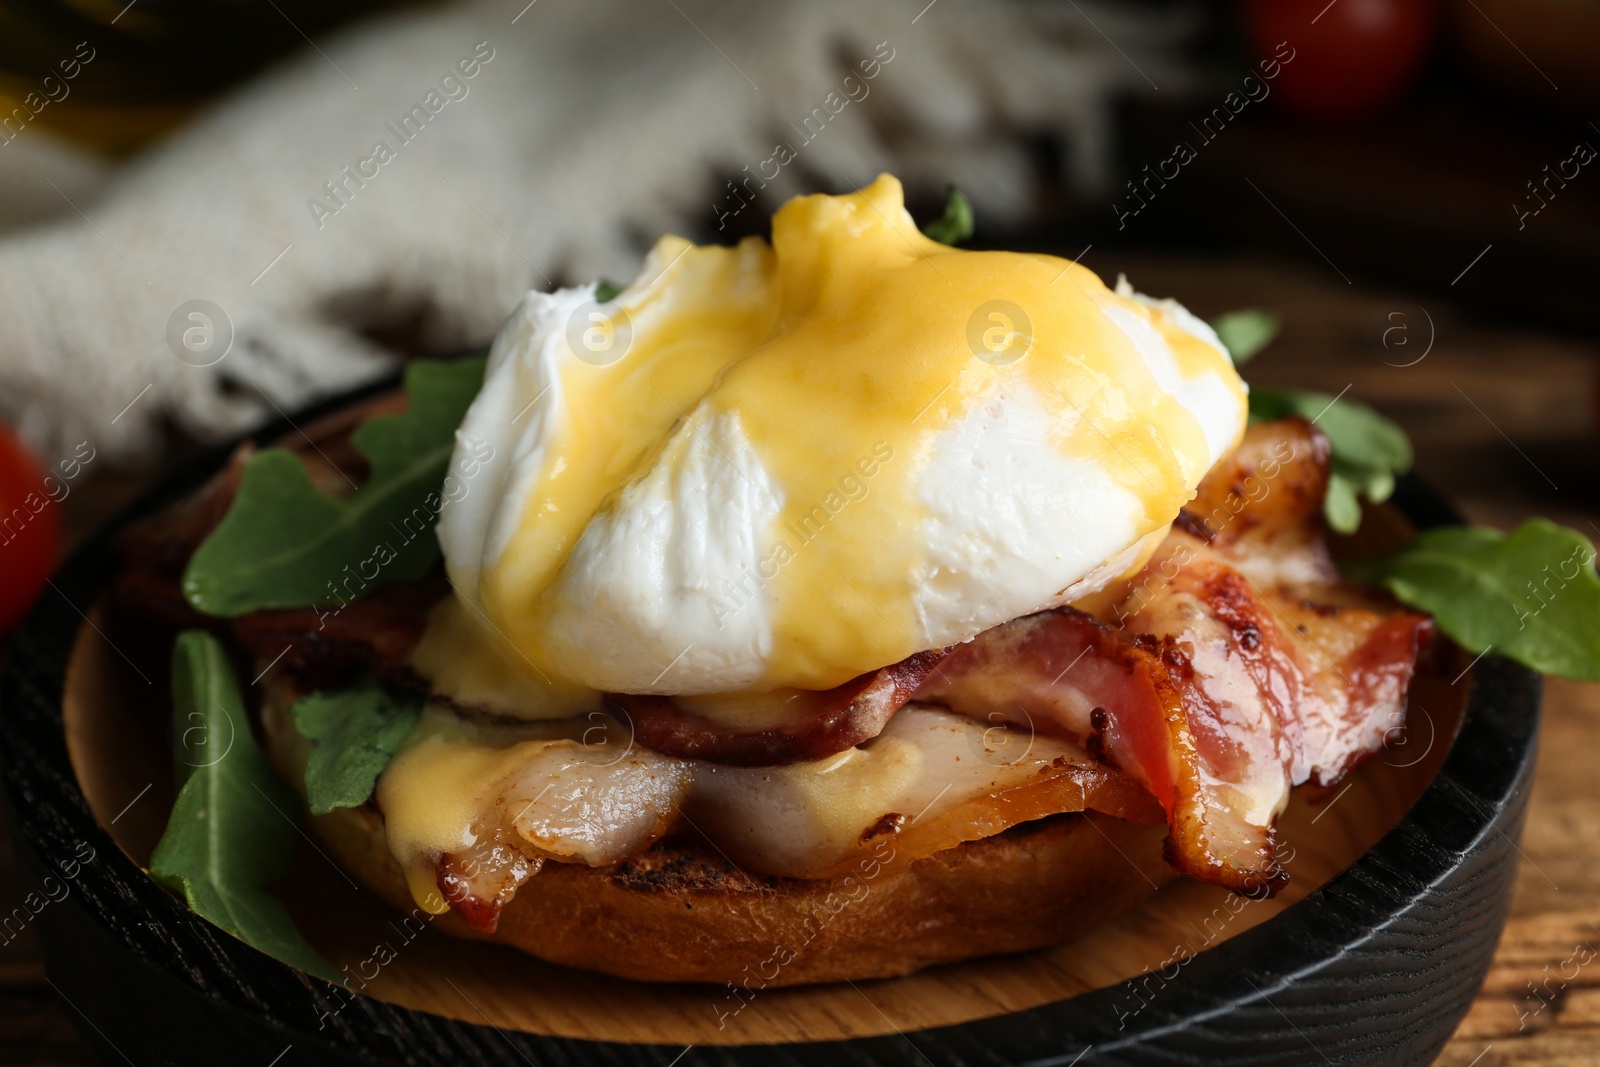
[(284, 542), (231, 829), (956, 224), (1244, 333), (605, 289), (354, 734), (1532, 595), (1341, 504), (1368, 449)]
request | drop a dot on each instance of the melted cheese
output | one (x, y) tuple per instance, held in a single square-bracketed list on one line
[(433, 793), (803, 461), (578, 791), (595, 798)]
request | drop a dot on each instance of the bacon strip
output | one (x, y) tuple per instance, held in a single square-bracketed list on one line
[(1330, 679), (1217, 716), (1332, 659), (932, 780), (1213, 692), (1063, 672), (813, 724), (478, 884), (324, 646)]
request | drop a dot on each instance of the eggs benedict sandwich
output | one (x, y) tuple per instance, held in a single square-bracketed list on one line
[(827, 608)]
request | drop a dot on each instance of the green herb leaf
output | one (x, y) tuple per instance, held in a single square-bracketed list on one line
[(284, 542), (955, 225), (232, 828), (354, 734), (1341, 505), (605, 289), (1532, 595), (1244, 333), (1368, 449)]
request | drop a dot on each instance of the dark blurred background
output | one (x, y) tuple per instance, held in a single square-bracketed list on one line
[(1404, 138)]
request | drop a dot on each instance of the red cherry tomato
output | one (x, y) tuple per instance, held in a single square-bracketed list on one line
[(30, 530), (1355, 59)]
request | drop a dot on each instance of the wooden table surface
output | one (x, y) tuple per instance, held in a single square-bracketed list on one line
[(1503, 421)]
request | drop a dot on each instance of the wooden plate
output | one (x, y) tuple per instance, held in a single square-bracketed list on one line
[(1401, 881)]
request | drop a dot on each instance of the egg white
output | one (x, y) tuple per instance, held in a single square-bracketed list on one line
[(663, 591)]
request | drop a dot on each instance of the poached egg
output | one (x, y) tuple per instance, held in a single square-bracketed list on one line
[(787, 464)]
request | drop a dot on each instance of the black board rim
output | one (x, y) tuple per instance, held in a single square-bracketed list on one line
[(1340, 967)]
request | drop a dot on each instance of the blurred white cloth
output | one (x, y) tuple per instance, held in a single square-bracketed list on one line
[(591, 128)]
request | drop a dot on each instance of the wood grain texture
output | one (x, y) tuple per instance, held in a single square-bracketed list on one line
[(1327, 345)]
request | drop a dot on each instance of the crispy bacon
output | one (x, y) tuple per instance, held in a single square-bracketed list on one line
[(968, 779), (479, 883), (568, 801), (324, 645), (1216, 693), (1340, 655), (1263, 493), (1064, 672), (1331, 678), (812, 724), (932, 780)]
